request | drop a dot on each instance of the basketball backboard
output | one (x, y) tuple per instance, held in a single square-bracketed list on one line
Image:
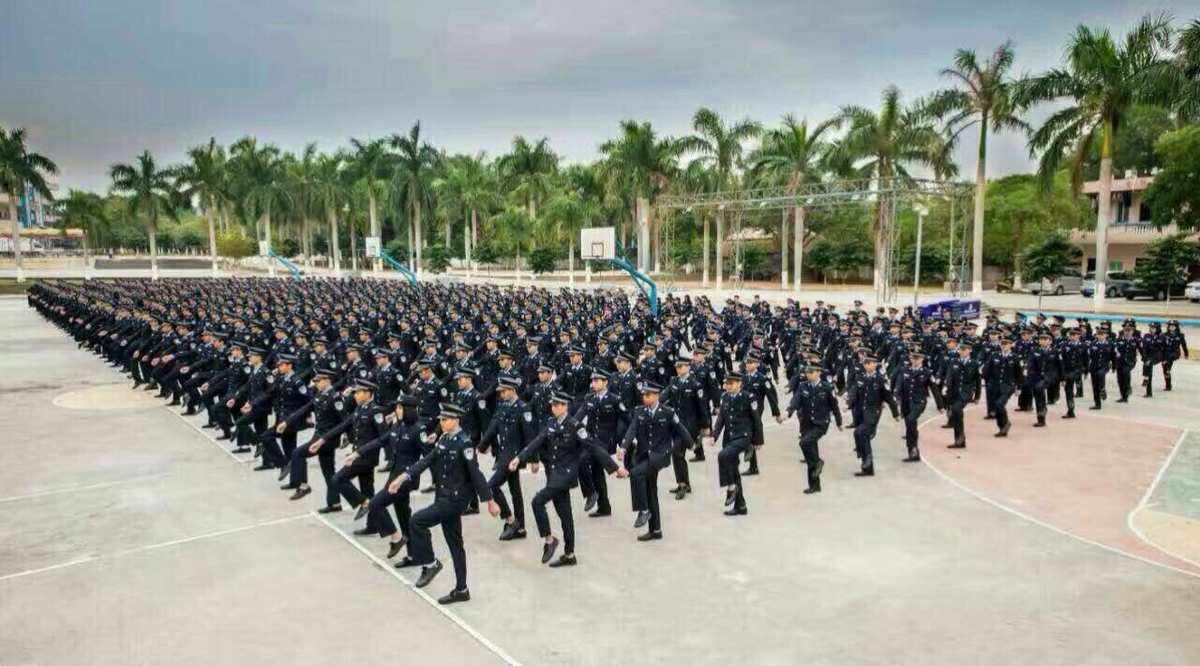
[(598, 243)]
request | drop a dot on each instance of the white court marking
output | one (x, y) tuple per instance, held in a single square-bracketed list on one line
[(208, 439), (78, 488), (1007, 509), (390, 570), (156, 546)]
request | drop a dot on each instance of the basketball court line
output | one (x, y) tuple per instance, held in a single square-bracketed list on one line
[(453, 617), (1146, 499), (156, 546), (208, 439), (1053, 528), (79, 488)]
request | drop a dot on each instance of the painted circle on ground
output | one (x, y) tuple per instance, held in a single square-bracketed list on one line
[(106, 397)]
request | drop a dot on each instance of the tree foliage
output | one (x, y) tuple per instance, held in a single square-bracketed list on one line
[(1166, 261), (1174, 196)]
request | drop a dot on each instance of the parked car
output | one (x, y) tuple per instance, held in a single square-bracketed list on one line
[(1070, 281), (1116, 282), (1154, 292), (1192, 291)]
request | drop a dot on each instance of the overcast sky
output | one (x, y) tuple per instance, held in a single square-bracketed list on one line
[(97, 81)]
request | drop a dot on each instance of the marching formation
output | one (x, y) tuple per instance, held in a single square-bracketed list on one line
[(588, 385)]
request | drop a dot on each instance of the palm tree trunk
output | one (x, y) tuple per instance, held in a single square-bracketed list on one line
[(447, 235), (783, 253), (466, 242), (798, 250), (720, 264), (879, 278), (1102, 217), (212, 238), (267, 238), (16, 235), (980, 192), (152, 237), (419, 241), (571, 261), (334, 250), (474, 239), (308, 246), (353, 246), (376, 265), (704, 257)]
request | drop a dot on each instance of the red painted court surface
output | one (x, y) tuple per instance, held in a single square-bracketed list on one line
[(1084, 477)]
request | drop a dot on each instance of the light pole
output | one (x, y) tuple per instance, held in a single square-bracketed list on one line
[(922, 211)]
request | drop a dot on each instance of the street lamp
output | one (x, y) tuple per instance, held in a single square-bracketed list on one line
[(921, 211)]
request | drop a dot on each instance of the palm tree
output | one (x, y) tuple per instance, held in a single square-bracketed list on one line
[(528, 169), (205, 177), (19, 168), (643, 163), (568, 212), (515, 228), (415, 164), (794, 155), (982, 96), (149, 191), (302, 176), (880, 145), (719, 146), (330, 194), (1187, 59), (86, 211), (262, 173), (371, 164), (1100, 84)]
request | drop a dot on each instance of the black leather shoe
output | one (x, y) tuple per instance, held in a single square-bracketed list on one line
[(643, 517), (454, 597), (548, 549), (428, 574), (866, 471), (682, 492), (510, 532), (395, 547), (1094, 407), (650, 536), (300, 492), (224, 437), (362, 511), (600, 513), (365, 531), (564, 560), (753, 471), (283, 472), (1069, 415), (241, 449), (736, 511), (209, 426), (912, 458), (405, 562), (590, 503), (264, 467), (330, 509), (730, 495), (947, 425), (810, 491), (957, 445)]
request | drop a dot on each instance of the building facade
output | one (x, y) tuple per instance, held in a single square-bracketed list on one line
[(1129, 227)]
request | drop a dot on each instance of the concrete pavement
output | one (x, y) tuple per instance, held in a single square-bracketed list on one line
[(129, 537)]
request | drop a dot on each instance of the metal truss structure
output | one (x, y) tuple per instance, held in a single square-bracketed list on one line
[(887, 196)]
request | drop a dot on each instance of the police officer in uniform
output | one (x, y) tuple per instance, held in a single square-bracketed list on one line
[(562, 445), (606, 419), (512, 428), (686, 396), (814, 402), (871, 392), (327, 407), (648, 444), (737, 426), (457, 478), (365, 424)]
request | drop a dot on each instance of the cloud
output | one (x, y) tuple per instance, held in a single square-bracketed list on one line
[(103, 81)]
